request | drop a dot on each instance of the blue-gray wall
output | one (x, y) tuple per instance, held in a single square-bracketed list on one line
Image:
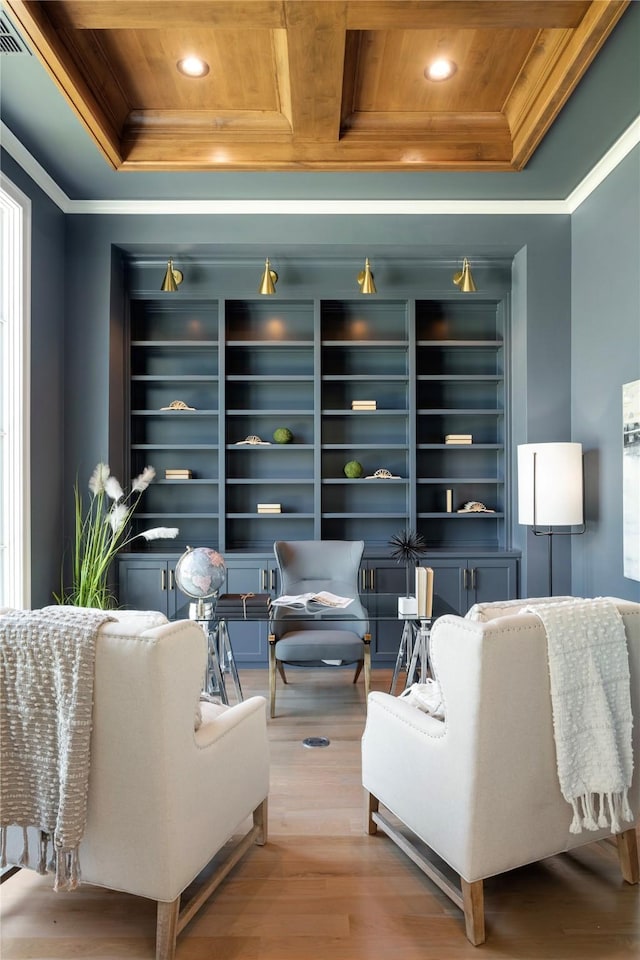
[(540, 245), (48, 494), (77, 329), (605, 337)]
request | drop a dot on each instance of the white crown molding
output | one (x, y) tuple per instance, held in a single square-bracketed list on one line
[(320, 207), (30, 165), (623, 145), (629, 139)]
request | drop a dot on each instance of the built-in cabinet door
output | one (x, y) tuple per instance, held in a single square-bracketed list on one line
[(492, 579), (149, 584), (380, 576), (249, 639), (477, 580), (449, 582)]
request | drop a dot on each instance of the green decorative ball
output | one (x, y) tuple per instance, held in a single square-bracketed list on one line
[(282, 435), (353, 469)]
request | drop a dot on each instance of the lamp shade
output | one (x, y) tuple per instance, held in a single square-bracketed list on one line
[(550, 484)]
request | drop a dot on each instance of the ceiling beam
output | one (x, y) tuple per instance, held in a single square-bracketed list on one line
[(463, 14), (32, 21), (557, 63), (164, 14), (316, 36)]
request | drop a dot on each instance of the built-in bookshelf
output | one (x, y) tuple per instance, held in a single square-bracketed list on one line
[(429, 369)]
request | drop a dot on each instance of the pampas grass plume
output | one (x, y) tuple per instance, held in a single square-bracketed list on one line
[(118, 516), (142, 481), (98, 478), (160, 533), (113, 489)]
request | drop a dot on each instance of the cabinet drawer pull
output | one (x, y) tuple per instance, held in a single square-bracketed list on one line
[(263, 579), (163, 579), (473, 578), (372, 579), (172, 584), (465, 579), (272, 577)]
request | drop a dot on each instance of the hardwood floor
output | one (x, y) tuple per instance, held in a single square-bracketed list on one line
[(323, 890)]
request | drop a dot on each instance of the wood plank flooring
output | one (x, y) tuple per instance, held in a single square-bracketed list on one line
[(323, 890)]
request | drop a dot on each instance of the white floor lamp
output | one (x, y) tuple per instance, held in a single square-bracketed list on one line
[(550, 491)]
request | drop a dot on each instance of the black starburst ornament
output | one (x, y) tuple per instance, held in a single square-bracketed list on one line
[(407, 547)]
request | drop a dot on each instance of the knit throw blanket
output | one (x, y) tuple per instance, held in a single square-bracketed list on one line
[(46, 704), (591, 703)]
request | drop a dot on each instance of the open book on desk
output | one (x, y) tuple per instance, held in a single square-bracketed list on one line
[(323, 599)]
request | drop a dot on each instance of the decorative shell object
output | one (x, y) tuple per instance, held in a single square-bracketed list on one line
[(383, 474), (253, 441), (474, 506), (177, 405)]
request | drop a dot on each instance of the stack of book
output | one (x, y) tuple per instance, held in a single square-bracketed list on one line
[(177, 473), (363, 404), (269, 508), (458, 438), (243, 606), (424, 591)]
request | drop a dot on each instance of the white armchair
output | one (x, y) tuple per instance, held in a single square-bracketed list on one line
[(166, 791), (480, 789)]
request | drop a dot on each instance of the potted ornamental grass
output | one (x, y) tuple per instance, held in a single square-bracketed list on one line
[(102, 530)]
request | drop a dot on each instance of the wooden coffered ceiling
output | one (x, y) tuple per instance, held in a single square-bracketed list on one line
[(329, 85)]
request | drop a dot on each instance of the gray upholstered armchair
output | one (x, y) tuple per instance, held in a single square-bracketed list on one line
[(308, 566)]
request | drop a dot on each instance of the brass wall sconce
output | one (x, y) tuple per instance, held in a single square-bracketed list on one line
[(268, 281), (365, 279), (464, 280), (172, 278)]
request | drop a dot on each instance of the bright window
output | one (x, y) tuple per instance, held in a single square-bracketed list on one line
[(15, 283)]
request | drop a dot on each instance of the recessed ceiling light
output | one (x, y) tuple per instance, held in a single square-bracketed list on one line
[(440, 69), (193, 67)]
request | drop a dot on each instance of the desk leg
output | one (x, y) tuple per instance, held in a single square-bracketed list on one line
[(415, 653), (226, 657), (421, 632), (215, 683), (404, 653)]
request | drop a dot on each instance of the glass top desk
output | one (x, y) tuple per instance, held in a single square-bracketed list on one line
[(413, 649)]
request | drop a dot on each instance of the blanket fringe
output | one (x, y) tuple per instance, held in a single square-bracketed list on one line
[(24, 856), (584, 811), (67, 869), (42, 859)]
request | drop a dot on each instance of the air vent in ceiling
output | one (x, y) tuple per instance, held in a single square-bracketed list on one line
[(10, 41)]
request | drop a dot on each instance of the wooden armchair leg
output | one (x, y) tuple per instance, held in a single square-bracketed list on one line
[(260, 820), (167, 929), (359, 666), (627, 843), (473, 906), (367, 667), (272, 675), (372, 806)]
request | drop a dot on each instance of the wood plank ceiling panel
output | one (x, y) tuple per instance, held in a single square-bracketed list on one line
[(333, 85)]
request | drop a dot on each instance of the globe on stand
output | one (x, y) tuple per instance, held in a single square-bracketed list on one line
[(200, 572)]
